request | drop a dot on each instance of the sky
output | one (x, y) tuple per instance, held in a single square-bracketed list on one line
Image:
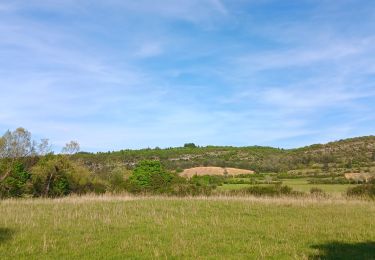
[(125, 74)]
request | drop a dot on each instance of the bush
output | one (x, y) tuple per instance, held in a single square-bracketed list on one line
[(55, 176), (150, 176), (364, 190), (317, 192), (339, 180), (117, 180), (16, 184), (207, 180), (190, 190), (271, 190)]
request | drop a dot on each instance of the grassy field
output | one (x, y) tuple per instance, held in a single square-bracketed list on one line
[(303, 185), (300, 184), (201, 228)]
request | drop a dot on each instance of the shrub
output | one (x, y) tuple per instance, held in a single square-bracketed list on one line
[(16, 184), (207, 180), (190, 190), (117, 180), (317, 192), (339, 180), (179, 170), (364, 190), (270, 190), (150, 176), (55, 176)]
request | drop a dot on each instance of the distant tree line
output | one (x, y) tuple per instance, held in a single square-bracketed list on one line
[(29, 168)]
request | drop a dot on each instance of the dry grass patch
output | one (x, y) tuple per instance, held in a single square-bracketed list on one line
[(220, 171)]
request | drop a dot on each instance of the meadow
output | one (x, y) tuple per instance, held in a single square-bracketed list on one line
[(297, 184), (116, 227)]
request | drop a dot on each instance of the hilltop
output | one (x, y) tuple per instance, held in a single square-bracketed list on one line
[(348, 155)]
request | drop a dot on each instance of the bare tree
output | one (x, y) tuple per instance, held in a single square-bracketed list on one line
[(71, 148), (44, 147), (16, 145)]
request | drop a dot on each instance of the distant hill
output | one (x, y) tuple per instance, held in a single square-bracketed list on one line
[(349, 155)]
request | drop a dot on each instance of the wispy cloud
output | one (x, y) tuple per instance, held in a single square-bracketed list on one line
[(149, 49)]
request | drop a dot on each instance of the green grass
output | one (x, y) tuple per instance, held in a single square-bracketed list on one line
[(303, 185), (300, 184), (214, 228), (226, 187)]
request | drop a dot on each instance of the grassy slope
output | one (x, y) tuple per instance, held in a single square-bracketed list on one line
[(178, 228)]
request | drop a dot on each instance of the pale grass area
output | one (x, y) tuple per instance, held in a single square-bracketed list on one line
[(108, 197), (220, 171)]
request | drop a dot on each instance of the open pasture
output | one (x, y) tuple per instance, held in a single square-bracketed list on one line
[(297, 184), (196, 228)]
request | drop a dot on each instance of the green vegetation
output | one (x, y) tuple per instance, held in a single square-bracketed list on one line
[(332, 159), (150, 176), (304, 185), (269, 190), (367, 190), (238, 228), (29, 169), (298, 204)]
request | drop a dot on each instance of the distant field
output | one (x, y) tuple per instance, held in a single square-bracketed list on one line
[(214, 228), (300, 184), (303, 185), (199, 171)]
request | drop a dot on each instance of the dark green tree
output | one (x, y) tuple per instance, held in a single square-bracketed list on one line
[(16, 184), (150, 175), (190, 145)]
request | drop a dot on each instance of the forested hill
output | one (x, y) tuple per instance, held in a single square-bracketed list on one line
[(354, 154)]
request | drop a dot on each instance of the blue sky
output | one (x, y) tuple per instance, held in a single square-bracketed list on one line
[(118, 74)]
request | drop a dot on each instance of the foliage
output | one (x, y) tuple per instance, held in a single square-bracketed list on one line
[(364, 190), (207, 180), (186, 189), (310, 161), (317, 192), (339, 180), (150, 176), (55, 176), (269, 190), (190, 145), (118, 180), (15, 185), (71, 148)]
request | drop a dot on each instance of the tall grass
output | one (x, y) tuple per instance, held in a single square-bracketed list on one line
[(124, 226)]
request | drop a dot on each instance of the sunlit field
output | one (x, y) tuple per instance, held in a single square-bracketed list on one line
[(119, 227), (298, 184)]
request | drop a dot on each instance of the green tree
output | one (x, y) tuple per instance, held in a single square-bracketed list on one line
[(15, 147), (117, 179), (55, 176), (16, 184), (150, 175), (190, 145)]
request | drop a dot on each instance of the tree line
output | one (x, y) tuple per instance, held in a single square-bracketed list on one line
[(30, 169)]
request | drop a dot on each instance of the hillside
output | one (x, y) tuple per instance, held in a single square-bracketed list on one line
[(354, 155)]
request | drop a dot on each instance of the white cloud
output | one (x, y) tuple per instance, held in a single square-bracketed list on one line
[(86, 79), (149, 49)]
